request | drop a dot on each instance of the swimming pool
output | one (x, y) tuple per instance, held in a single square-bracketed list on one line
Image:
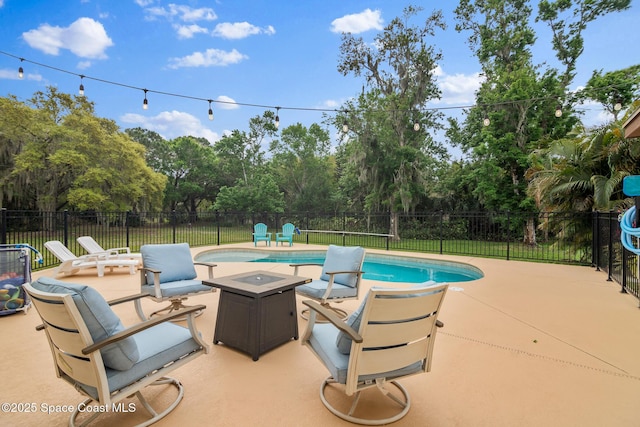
[(384, 268)]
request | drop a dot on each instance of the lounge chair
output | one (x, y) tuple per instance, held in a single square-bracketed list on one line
[(339, 280), (93, 248), (168, 274), (260, 234), (71, 264), (390, 336), (286, 235), (95, 354)]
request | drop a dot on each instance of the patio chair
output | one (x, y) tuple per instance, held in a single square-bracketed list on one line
[(286, 235), (93, 248), (339, 280), (260, 234), (71, 264), (95, 354), (168, 274), (390, 336)]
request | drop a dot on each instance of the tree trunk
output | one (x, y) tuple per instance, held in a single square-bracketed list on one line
[(394, 219), (530, 232)]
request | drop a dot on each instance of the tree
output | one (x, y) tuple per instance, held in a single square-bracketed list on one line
[(614, 90), (74, 159), (304, 169), (399, 69)]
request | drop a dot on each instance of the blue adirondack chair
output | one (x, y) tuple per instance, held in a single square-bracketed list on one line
[(286, 235), (260, 234)]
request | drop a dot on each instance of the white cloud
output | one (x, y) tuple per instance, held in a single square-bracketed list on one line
[(83, 65), (208, 58), (240, 30), (182, 12), (187, 31), (457, 89), (85, 37), (172, 124), (226, 103), (358, 22)]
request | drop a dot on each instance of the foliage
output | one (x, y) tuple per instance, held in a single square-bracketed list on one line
[(66, 157)]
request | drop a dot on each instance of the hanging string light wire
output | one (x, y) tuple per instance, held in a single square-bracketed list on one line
[(265, 106)]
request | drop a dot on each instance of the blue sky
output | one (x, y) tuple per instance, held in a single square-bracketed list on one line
[(276, 53)]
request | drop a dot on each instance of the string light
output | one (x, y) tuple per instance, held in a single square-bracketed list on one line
[(558, 112), (345, 127), (618, 104), (416, 126)]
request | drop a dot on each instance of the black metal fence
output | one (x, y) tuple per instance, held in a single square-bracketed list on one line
[(610, 256), (550, 237)]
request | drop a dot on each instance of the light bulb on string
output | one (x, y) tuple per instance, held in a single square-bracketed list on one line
[(145, 103), (486, 121), (558, 112), (618, 104), (416, 126), (21, 70), (277, 123), (81, 89), (210, 110)]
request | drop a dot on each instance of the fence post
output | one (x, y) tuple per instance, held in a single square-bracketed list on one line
[(218, 226), (441, 229), (174, 224), (126, 226), (307, 227), (624, 271), (3, 226), (508, 235), (610, 261), (65, 231), (344, 227), (596, 255)]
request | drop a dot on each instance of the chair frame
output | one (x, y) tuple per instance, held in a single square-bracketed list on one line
[(286, 237), (373, 334), (176, 302), (93, 248), (70, 263), (266, 237), (81, 359), (326, 301)]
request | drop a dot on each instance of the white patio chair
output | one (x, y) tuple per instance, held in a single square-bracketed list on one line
[(95, 354), (71, 264), (93, 248)]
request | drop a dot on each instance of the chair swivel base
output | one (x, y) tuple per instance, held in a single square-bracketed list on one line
[(342, 314), (156, 416), (176, 304), (404, 402)]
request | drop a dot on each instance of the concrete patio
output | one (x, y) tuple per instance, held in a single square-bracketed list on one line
[(528, 345)]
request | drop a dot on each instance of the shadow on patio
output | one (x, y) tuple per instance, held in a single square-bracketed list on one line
[(529, 345)]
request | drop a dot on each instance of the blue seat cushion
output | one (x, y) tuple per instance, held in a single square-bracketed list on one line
[(179, 287), (343, 258), (323, 339), (174, 261), (159, 345), (317, 288), (101, 321)]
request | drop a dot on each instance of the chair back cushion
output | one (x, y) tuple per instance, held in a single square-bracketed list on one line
[(343, 258), (100, 320), (173, 260), (343, 341)]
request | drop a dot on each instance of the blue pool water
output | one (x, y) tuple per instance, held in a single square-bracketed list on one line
[(385, 268)]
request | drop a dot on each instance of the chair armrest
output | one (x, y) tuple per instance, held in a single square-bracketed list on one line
[(331, 273), (306, 264), (118, 250), (190, 311), (333, 319), (439, 324), (126, 299), (210, 266)]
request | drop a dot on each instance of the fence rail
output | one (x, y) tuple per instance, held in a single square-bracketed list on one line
[(553, 237)]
